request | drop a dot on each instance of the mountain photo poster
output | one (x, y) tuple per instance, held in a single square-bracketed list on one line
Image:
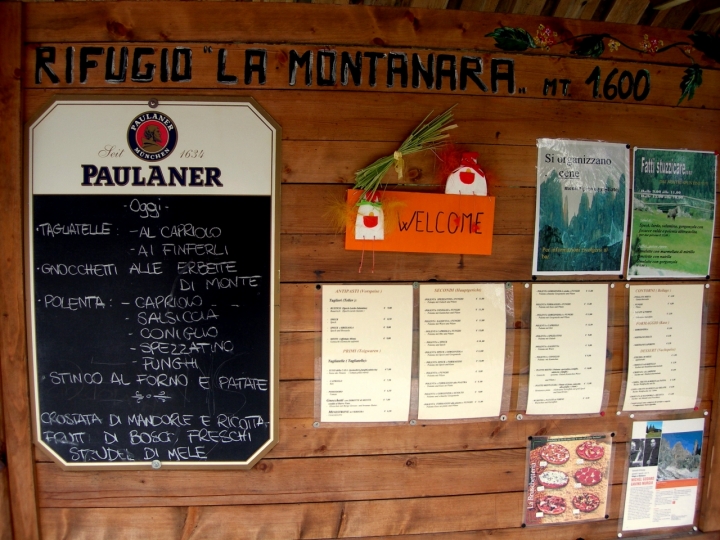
[(581, 207)]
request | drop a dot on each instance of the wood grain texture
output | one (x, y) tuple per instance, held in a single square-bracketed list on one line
[(710, 502), (233, 523), (627, 12), (514, 207), (531, 73), (299, 23), (576, 9), (481, 120), (13, 364), (323, 258), (299, 438), (299, 480), (396, 518), (5, 516)]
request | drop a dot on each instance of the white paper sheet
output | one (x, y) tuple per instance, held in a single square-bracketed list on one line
[(568, 341), (366, 353), (462, 350), (664, 347), (663, 474)]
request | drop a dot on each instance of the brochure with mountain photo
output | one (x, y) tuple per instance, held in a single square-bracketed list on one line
[(581, 207), (663, 474), (673, 213)]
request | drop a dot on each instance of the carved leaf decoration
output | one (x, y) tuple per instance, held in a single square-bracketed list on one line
[(512, 39), (691, 80), (707, 44), (592, 46)]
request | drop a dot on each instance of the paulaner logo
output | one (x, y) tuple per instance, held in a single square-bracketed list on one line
[(152, 136)]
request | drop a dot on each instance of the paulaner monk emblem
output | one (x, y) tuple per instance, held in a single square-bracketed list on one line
[(152, 136)]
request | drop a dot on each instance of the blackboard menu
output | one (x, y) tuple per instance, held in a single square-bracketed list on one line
[(152, 327)]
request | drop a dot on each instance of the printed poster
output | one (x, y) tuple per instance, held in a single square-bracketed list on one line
[(462, 350), (673, 213), (568, 348), (367, 333), (663, 474), (581, 208), (567, 478), (665, 333)]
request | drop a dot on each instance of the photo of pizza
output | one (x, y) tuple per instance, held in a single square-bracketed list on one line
[(556, 454), (588, 476), (554, 479), (586, 502), (590, 450), (551, 504), (567, 478)]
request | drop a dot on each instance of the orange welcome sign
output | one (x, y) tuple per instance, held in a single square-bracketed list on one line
[(423, 223)]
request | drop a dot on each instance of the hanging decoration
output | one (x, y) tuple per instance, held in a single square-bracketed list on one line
[(426, 136), (468, 178), (376, 219)]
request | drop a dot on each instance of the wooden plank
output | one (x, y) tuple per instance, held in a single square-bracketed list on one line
[(480, 5), (323, 258), (313, 162), (13, 366), (674, 17), (5, 516), (531, 74), (218, 522), (276, 481), (305, 207), (314, 520), (297, 23), (597, 530), (481, 120), (335, 162), (529, 7), (710, 501), (239, 523), (576, 9), (709, 23), (627, 12), (299, 437)]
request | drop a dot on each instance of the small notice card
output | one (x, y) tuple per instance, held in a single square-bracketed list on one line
[(664, 347), (462, 350), (568, 339), (366, 353)]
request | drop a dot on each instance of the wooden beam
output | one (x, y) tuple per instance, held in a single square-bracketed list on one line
[(670, 4), (13, 356), (710, 505), (627, 12)]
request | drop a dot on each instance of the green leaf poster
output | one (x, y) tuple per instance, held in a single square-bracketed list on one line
[(673, 213), (581, 207)]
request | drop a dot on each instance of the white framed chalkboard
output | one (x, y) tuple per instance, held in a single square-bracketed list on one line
[(152, 281)]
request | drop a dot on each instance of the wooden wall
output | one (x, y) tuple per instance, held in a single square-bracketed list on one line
[(460, 480)]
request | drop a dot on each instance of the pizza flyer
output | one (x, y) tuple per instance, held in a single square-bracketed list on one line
[(567, 478)]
